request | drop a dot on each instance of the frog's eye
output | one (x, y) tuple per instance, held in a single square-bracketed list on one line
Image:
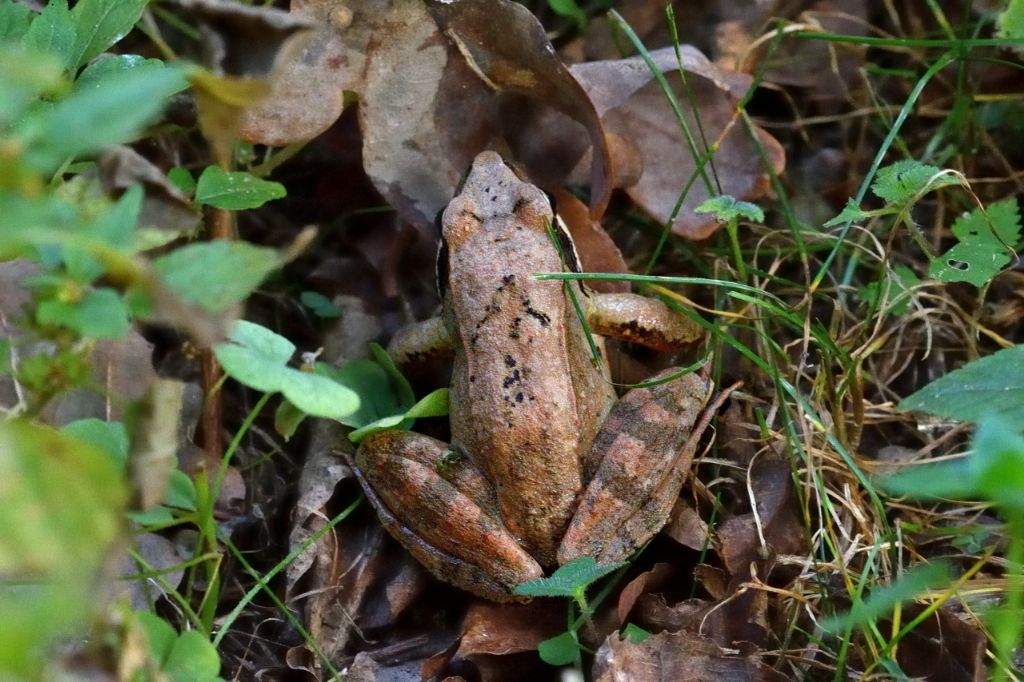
[(567, 245)]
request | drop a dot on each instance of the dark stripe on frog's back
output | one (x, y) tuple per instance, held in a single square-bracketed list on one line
[(513, 366)]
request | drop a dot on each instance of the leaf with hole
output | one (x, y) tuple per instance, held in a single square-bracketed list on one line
[(986, 238)]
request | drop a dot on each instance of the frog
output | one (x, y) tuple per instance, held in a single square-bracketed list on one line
[(546, 464)]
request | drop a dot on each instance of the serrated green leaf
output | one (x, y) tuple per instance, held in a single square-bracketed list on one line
[(985, 237), (904, 181), (101, 23), (561, 650), (192, 658), (256, 357), (568, 580), (99, 314), (14, 20), (728, 208), (992, 385), (94, 118), (217, 274), (235, 191), (850, 213), (882, 601), (111, 438), (53, 33)]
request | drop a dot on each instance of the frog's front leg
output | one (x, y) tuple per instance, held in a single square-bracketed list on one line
[(443, 511), (640, 319), (636, 468)]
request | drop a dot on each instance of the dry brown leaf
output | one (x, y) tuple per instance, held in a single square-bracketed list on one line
[(633, 106), (597, 251), (739, 538), (679, 657), (308, 94), (647, 581), (946, 646)]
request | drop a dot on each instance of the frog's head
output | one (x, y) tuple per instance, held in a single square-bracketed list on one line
[(491, 193)]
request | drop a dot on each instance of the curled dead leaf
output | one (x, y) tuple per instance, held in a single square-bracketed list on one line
[(633, 106)]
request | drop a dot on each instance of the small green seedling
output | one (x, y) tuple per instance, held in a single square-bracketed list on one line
[(572, 581), (730, 210)]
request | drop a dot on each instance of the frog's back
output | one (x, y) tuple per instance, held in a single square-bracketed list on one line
[(514, 407)]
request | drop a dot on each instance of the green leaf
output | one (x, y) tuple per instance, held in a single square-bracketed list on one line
[(570, 10), (181, 491), (882, 601), (287, 418), (635, 634), (569, 580), (997, 464), (256, 357), (897, 291), (111, 69), (14, 20), (992, 385), (107, 437), (160, 635), (851, 213), (561, 650), (101, 23), (434, 404), (116, 226), (1011, 22), (216, 275), (727, 209), (182, 179), (192, 658), (320, 305), (62, 500), (986, 238), (99, 314), (235, 191), (53, 32), (25, 75), (904, 181), (93, 118)]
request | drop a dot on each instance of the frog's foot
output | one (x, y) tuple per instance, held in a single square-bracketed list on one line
[(441, 509), (637, 466)]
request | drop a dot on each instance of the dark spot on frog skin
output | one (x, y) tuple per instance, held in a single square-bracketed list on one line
[(519, 397), (511, 379), (538, 315), (520, 202), (514, 331), (472, 378), (510, 361)]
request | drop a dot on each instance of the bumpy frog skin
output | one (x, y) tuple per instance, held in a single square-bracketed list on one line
[(545, 464)]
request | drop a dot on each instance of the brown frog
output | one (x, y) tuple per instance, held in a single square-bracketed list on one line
[(545, 464)]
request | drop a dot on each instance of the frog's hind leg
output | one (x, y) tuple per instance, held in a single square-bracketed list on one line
[(443, 511), (638, 464)]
